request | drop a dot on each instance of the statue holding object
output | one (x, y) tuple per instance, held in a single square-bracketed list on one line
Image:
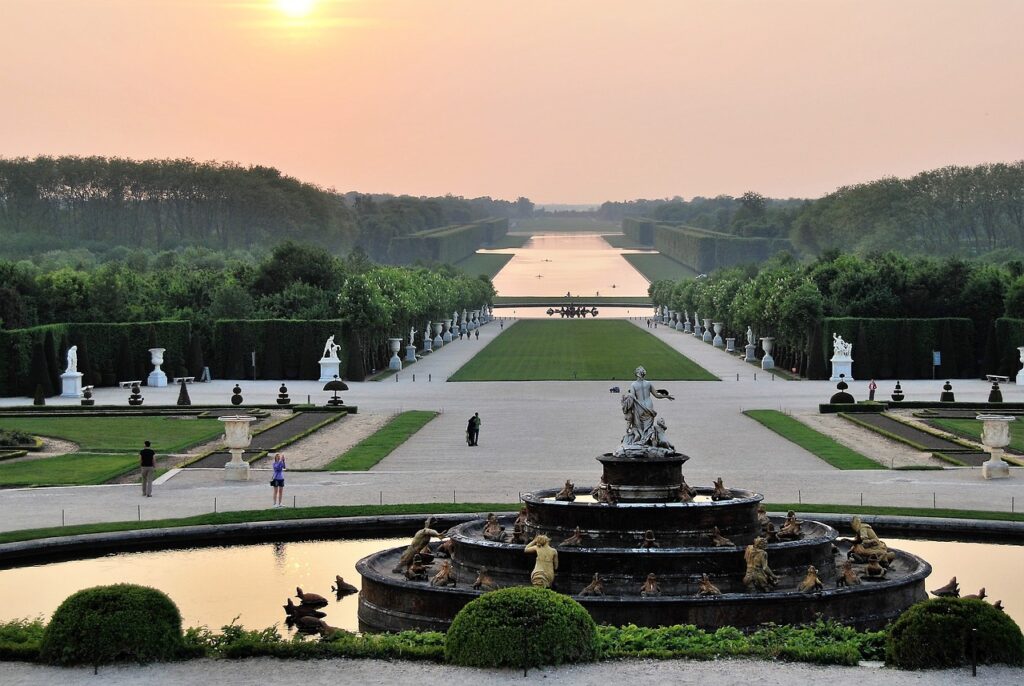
[(645, 436), (331, 349)]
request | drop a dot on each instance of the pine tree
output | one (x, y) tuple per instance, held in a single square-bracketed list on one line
[(183, 397)]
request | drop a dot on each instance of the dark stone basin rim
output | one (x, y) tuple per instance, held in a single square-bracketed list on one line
[(84, 546), (743, 498)]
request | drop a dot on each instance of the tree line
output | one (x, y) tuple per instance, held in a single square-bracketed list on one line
[(954, 210), (54, 203)]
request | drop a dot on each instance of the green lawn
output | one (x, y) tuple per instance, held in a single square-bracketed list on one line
[(655, 266), (971, 430), (120, 434), (508, 241), (76, 469), (372, 449), (836, 454), (621, 240), (488, 264), (542, 350)]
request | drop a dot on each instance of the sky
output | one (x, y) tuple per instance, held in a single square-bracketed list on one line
[(573, 101)]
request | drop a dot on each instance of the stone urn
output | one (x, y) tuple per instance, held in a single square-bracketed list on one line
[(395, 362), (767, 362), (708, 336), (157, 378), (717, 340), (237, 437), (447, 335), (438, 341), (697, 331), (995, 434)]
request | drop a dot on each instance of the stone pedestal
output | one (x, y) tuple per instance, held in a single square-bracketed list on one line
[(708, 336), (697, 331), (447, 335), (687, 327), (156, 378), (395, 362), (438, 341), (750, 352), (841, 365), (717, 340), (329, 368), (71, 384), (1020, 373), (410, 353), (428, 345), (767, 362), (730, 345), (995, 434), (237, 437)]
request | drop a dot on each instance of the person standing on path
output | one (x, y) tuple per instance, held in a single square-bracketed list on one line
[(477, 334), (147, 463), (469, 432), (475, 423), (277, 483), (872, 387)]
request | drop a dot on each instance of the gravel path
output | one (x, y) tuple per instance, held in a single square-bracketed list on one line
[(319, 448), (868, 443), (370, 672)]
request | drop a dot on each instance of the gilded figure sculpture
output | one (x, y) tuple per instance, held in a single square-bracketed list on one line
[(543, 573), (650, 586), (417, 571), (790, 530), (419, 539), (866, 543), (848, 576), (446, 575), (759, 575), (574, 540), (568, 492), (874, 570), (595, 587), (706, 588), (685, 493), (811, 582)]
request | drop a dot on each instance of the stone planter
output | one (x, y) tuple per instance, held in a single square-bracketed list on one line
[(157, 378), (438, 341), (767, 362), (717, 340), (237, 437), (995, 434), (395, 362), (708, 336)]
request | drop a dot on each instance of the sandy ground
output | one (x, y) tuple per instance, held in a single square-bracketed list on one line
[(371, 672), (51, 448), (319, 448)]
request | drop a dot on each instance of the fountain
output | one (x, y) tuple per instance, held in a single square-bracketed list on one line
[(646, 548)]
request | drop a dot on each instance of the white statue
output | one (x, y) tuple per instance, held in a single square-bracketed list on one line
[(412, 335), (750, 336), (840, 347), (72, 360), (331, 349), (641, 438)]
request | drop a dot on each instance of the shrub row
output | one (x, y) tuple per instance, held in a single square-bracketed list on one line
[(901, 348), (285, 348), (447, 244), (706, 251)]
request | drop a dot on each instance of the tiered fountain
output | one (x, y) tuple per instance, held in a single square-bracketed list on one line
[(705, 548)]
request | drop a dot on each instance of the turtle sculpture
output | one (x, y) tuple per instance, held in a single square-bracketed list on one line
[(314, 625), (343, 588), (595, 587), (847, 576), (446, 575), (706, 588), (950, 590), (719, 540), (310, 599), (574, 540), (295, 611), (811, 582), (980, 595)]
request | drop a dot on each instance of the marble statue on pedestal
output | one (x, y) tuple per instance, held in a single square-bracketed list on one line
[(645, 436), (842, 359), (71, 379), (330, 363)]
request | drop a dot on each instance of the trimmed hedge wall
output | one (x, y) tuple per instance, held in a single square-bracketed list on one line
[(639, 230), (447, 244), (1001, 356), (902, 348), (285, 348), (107, 353), (701, 249)]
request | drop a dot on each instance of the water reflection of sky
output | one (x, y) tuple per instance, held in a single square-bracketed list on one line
[(213, 585), (556, 264)]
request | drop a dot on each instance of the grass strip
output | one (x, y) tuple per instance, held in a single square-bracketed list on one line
[(569, 350), (119, 434), (814, 442), (75, 469), (372, 449), (488, 264), (655, 267), (903, 439), (941, 513), (244, 516), (970, 429)]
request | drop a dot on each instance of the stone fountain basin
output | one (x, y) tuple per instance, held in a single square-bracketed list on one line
[(678, 568), (388, 602), (679, 523)]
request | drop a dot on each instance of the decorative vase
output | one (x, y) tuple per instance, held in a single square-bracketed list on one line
[(995, 434), (237, 437)]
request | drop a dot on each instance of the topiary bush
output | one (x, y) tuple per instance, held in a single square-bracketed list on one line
[(118, 623), (517, 627), (937, 633)]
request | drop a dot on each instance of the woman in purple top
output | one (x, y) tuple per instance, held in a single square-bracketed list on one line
[(278, 481)]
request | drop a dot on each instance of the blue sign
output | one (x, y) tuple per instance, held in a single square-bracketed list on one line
[(936, 358)]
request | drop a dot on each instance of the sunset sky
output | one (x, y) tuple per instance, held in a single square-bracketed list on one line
[(558, 100)]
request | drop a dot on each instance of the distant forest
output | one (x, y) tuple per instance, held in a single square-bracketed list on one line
[(97, 203), (967, 211)]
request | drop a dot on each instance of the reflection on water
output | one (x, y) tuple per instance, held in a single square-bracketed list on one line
[(556, 264), (636, 311), (213, 585)]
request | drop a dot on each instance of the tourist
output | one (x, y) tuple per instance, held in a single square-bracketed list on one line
[(474, 424), (477, 334), (277, 483), (147, 463), (469, 432), (502, 324), (872, 387)]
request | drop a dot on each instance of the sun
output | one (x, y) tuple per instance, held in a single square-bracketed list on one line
[(296, 8)]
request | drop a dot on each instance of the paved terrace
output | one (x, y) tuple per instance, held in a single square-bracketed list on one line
[(535, 435)]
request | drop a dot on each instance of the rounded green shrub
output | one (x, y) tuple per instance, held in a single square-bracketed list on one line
[(937, 634), (118, 623), (523, 626)]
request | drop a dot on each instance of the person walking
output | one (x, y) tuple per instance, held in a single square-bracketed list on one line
[(277, 483), (872, 387), (477, 334), (475, 424), (147, 464), (469, 432)]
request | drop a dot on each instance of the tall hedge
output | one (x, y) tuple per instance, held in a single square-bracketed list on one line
[(285, 348), (116, 352), (705, 250), (1004, 339), (902, 348), (447, 244)]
